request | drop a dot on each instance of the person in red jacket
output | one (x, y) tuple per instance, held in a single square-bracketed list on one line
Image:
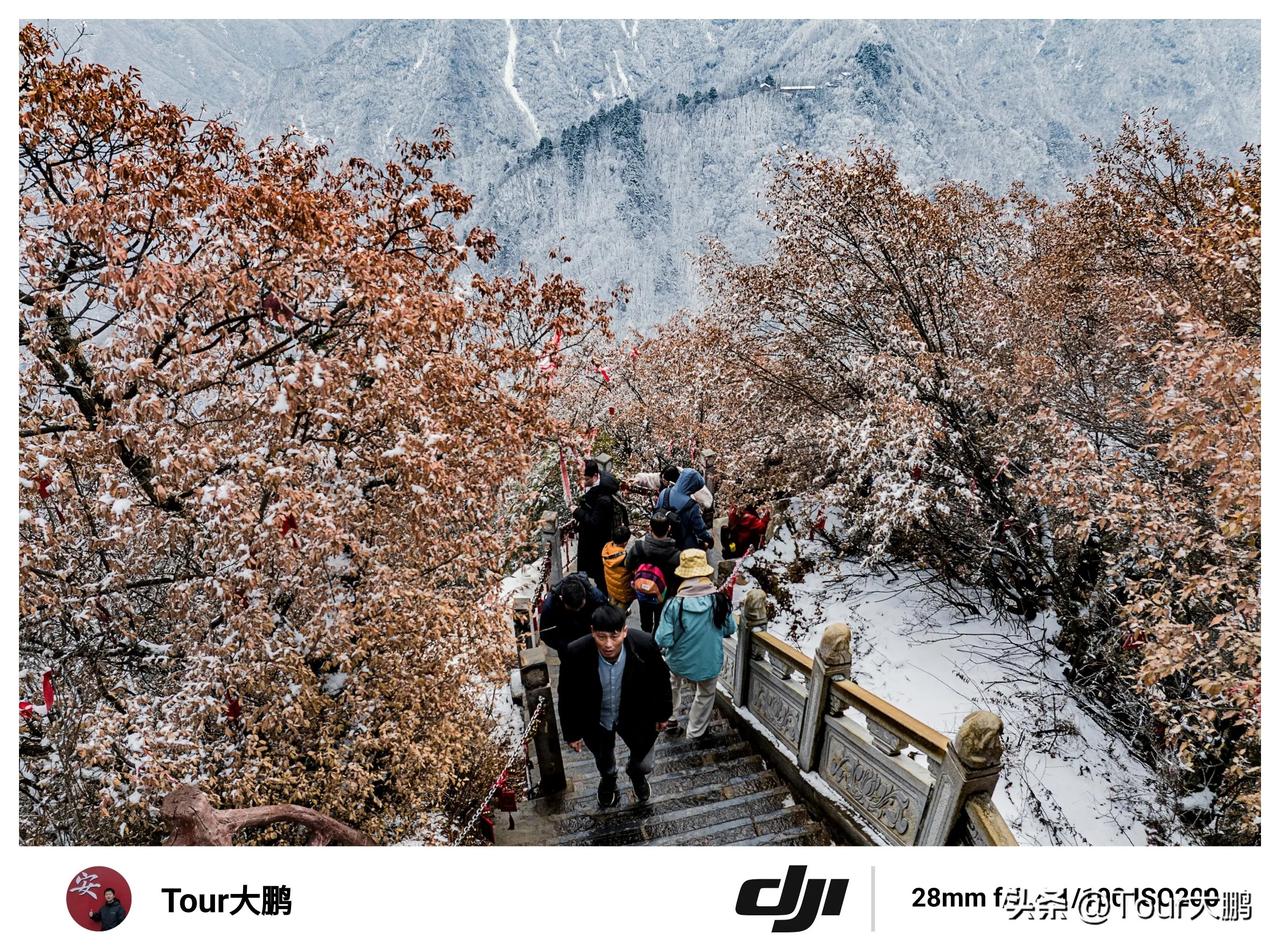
[(744, 531)]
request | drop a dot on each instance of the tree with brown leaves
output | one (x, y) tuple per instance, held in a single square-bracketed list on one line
[(275, 417), (1047, 405)]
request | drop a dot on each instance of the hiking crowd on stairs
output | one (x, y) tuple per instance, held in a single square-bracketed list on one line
[(620, 682)]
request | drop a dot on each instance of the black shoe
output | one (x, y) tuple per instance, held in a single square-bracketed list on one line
[(641, 785), (607, 794)]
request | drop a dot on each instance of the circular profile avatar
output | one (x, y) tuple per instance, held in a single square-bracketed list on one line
[(98, 898)]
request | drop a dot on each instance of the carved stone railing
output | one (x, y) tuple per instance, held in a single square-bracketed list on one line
[(535, 692), (531, 682), (550, 542), (896, 780)]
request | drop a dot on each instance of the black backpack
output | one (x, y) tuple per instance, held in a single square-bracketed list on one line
[(621, 514), (720, 609), (679, 522)]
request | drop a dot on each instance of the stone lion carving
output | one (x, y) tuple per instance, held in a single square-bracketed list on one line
[(835, 646), (755, 611), (978, 741)]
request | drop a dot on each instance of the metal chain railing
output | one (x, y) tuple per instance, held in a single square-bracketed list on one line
[(511, 760)]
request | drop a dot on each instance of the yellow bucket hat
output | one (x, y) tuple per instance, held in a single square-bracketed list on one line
[(693, 563)]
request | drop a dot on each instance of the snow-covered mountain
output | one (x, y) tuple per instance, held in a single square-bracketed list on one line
[(626, 142), (214, 65)]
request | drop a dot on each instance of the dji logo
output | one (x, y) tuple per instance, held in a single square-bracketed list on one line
[(749, 900)]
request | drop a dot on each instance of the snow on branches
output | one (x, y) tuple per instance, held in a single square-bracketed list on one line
[(1050, 406), (271, 415)]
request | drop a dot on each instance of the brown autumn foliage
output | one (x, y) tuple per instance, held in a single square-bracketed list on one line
[(1048, 405), (274, 415)]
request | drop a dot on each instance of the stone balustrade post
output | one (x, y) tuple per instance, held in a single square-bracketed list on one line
[(755, 616), (832, 660), (708, 470), (971, 766), (536, 679), (549, 543), (522, 608), (775, 520)]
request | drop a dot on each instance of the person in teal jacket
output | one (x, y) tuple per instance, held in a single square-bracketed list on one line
[(691, 635)]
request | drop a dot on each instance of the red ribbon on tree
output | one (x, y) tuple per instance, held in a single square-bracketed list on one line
[(564, 479), (548, 363), (277, 309), (47, 686), (506, 794), (727, 588), (819, 524), (287, 524)]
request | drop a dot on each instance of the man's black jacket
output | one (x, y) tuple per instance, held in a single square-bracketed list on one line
[(595, 516), (111, 915), (646, 690), (560, 625)]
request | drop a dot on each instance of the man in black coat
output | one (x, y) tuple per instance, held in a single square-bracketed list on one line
[(112, 913), (566, 611), (595, 517), (614, 685)]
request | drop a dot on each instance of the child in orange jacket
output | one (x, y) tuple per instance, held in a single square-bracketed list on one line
[(617, 578)]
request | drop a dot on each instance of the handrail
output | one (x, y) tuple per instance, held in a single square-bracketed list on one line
[(989, 822), (789, 653), (932, 742), (915, 732)]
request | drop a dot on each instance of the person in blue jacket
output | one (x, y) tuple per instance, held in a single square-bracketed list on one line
[(691, 636), (690, 529)]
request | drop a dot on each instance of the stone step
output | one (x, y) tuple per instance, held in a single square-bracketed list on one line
[(635, 827), (664, 786), (721, 832), (713, 790), (669, 759), (719, 732), (586, 818), (808, 834)]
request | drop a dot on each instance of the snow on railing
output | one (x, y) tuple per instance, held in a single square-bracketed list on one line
[(799, 704)]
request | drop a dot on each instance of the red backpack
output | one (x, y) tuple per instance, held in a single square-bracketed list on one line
[(649, 584)]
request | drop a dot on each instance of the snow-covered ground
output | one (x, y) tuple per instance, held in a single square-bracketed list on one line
[(524, 582), (1067, 777)]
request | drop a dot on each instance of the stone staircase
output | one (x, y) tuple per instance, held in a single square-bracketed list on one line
[(712, 790)]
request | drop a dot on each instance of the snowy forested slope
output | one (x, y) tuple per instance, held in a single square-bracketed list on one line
[(1067, 778), (633, 194)]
